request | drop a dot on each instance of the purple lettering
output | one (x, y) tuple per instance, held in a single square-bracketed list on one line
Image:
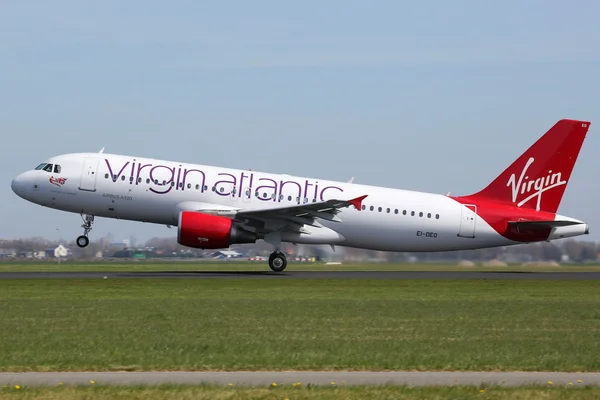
[(306, 185), (132, 171), (282, 184), (269, 196), (114, 176), (241, 189), (232, 182), (187, 171), (179, 176), (139, 169), (166, 181), (327, 188)]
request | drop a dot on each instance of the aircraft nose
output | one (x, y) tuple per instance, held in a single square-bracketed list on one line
[(18, 185)]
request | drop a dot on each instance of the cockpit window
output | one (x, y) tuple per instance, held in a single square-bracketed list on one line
[(42, 165), (48, 168), (56, 169)]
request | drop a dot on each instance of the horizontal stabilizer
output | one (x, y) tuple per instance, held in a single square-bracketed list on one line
[(542, 224)]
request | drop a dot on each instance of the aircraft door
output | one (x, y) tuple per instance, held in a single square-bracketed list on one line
[(88, 174), (467, 221)]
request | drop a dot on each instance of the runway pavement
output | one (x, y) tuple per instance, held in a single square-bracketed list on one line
[(305, 275), (304, 377)]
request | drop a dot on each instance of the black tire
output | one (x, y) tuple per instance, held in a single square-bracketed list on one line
[(82, 241), (277, 262)]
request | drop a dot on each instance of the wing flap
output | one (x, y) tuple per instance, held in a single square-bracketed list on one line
[(294, 217)]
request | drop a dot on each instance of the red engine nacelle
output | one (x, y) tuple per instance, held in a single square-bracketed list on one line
[(205, 231)]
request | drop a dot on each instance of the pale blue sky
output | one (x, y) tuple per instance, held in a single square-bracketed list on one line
[(430, 95)]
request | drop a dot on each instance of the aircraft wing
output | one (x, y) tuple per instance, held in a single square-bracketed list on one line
[(295, 217)]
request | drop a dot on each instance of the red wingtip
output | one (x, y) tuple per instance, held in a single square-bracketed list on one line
[(357, 202)]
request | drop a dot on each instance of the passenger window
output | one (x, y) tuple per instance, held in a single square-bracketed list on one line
[(364, 207), (420, 214), (437, 216), (147, 180), (371, 208), (412, 213), (197, 187), (403, 212), (189, 185), (122, 177), (428, 215), (48, 168), (105, 176), (379, 209), (289, 198), (205, 187), (56, 169), (388, 210), (396, 211)]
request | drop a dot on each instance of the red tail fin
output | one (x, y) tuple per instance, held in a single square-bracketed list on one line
[(538, 179)]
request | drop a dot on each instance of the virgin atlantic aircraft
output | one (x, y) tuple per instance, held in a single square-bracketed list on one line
[(216, 207)]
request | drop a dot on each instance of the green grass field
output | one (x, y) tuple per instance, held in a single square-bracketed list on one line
[(132, 266), (298, 393), (263, 324)]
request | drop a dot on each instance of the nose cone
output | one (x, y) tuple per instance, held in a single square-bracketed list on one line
[(18, 185), (22, 184)]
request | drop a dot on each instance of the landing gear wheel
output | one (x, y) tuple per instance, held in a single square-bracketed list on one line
[(88, 220), (83, 241), (277, 261)]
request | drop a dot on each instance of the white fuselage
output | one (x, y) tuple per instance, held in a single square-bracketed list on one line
[(156, 191)]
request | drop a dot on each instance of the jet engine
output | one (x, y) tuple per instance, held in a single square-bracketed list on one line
[(205, 231)]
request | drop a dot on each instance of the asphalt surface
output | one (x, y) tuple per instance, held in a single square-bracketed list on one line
[(304, 377), (306, 275)]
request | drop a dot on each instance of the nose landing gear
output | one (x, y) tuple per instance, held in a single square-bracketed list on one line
[(88, 220)]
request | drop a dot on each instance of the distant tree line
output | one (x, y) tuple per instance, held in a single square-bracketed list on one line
[(568, 250)]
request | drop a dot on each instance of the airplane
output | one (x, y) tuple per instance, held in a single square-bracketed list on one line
[(214, 207)]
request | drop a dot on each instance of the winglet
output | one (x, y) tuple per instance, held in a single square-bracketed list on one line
[(101, 150), (357, 202)]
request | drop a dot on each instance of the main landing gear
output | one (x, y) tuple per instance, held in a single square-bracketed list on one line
[(88, 220), (277, 261)]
